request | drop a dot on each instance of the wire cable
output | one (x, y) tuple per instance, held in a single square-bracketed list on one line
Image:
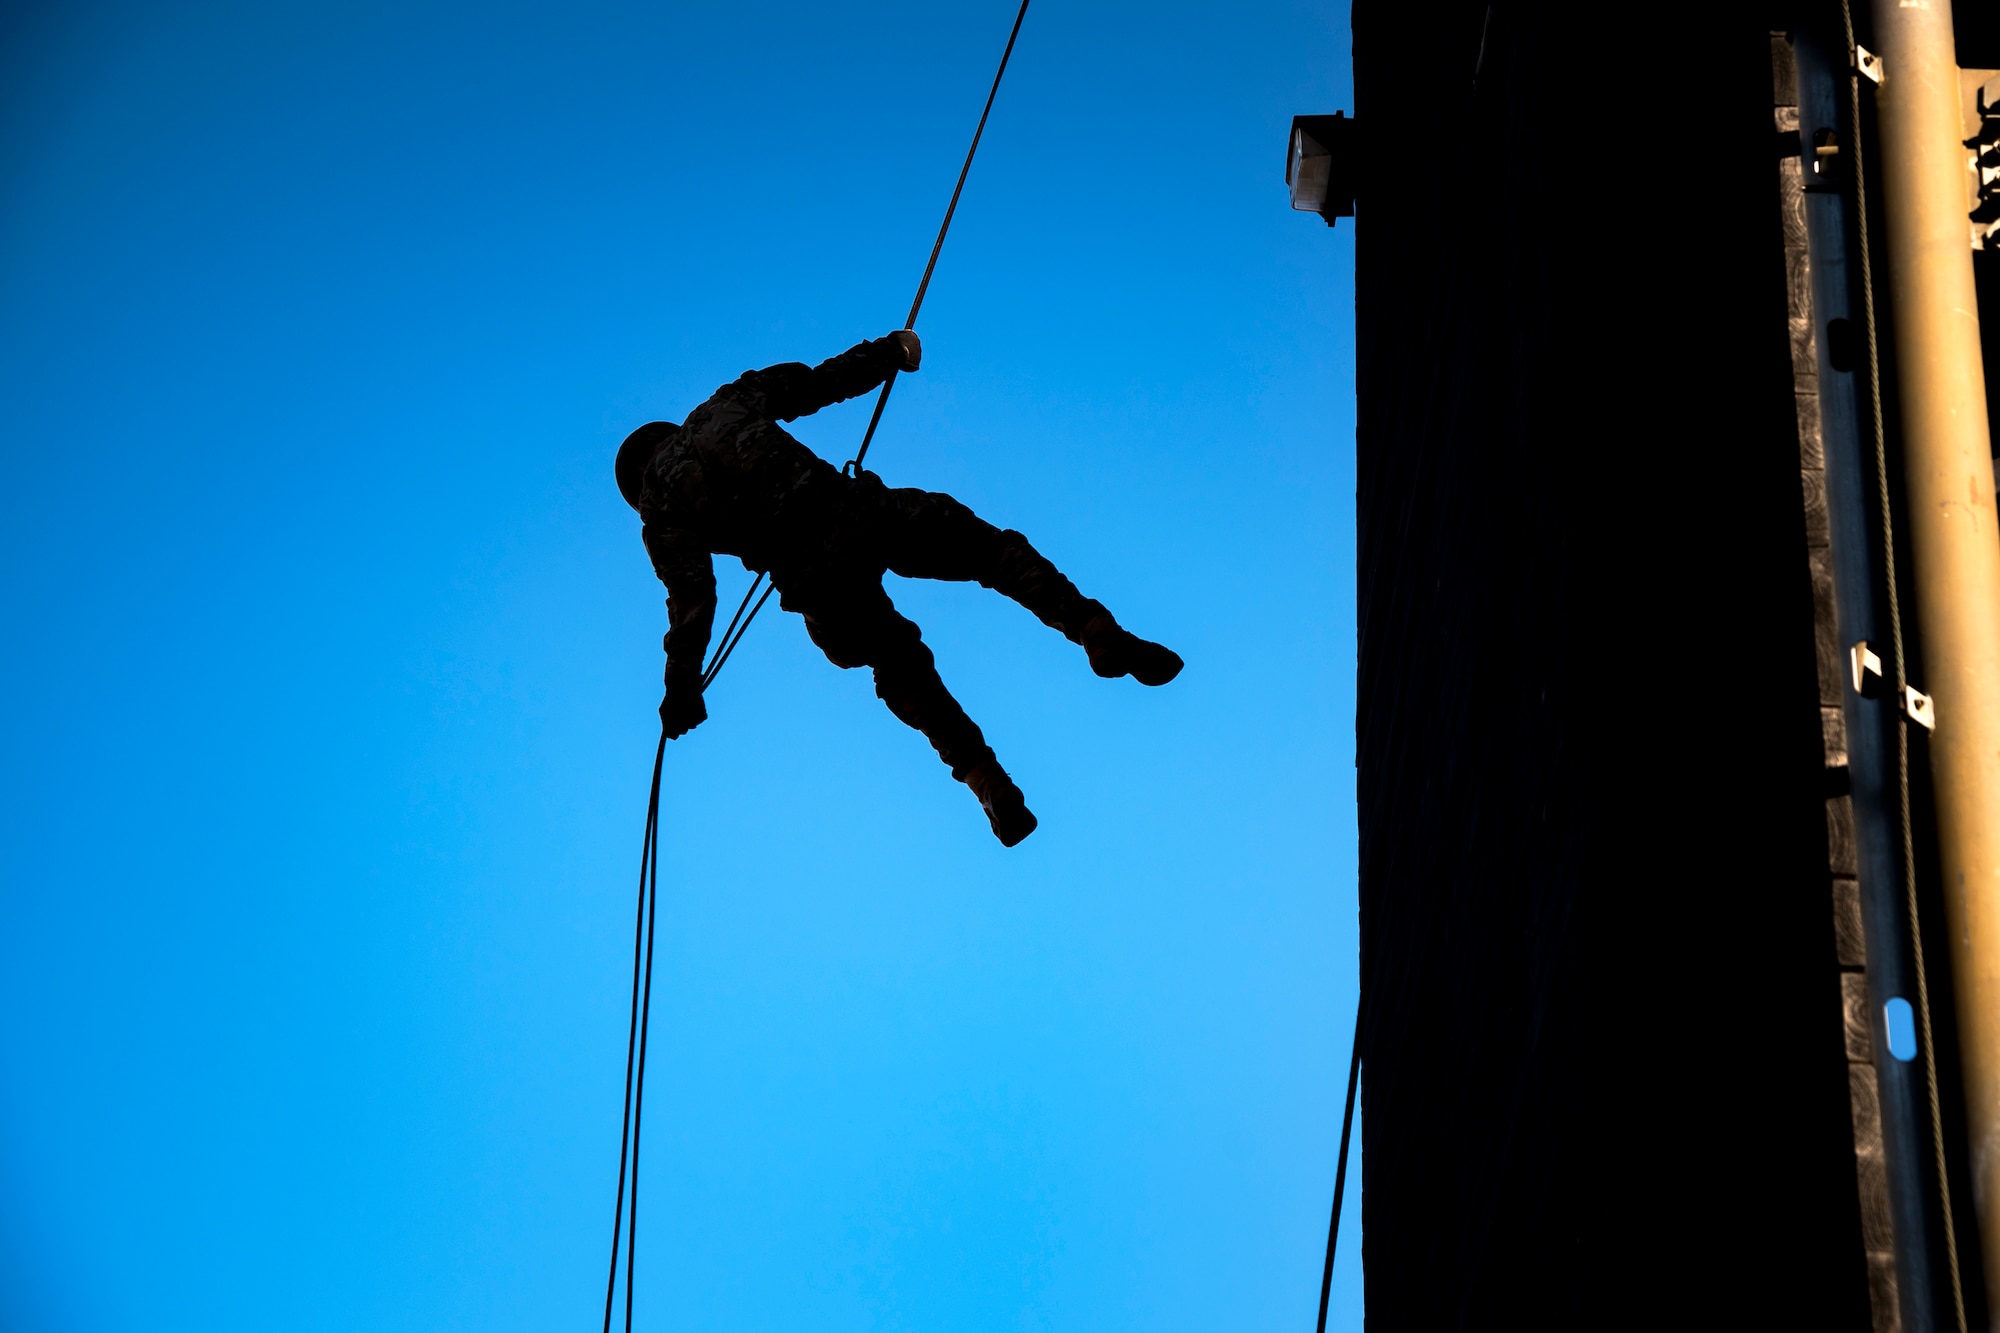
[(1860, 176)]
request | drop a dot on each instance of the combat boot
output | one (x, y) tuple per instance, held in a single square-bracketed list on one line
[(1116, 651), (1006, 809)]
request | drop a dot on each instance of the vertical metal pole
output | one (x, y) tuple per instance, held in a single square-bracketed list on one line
[(1954, 538)]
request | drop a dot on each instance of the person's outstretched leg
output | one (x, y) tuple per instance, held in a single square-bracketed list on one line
[(855, 624), (929, 535)]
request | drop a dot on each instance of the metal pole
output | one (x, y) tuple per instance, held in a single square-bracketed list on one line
[(1954, 538)]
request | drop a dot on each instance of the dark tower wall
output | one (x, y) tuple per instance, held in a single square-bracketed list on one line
[(1605, 1083)]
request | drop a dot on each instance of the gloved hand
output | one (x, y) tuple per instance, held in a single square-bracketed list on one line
[(682, 710), (913, 350)]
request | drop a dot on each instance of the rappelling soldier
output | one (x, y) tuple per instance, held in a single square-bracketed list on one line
[(729, 480)]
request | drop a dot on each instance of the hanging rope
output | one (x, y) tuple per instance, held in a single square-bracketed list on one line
[(728, 644), (635, 1048), (882, 400), (853, 465), (1340, 1170), (625, 1215)]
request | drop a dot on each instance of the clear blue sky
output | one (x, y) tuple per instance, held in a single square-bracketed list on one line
[(332, 658)]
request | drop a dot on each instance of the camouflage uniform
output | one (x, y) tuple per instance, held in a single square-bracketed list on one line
[(732, 481)]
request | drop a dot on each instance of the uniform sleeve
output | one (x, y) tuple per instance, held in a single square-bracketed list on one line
[(795, 389), (687, 569)]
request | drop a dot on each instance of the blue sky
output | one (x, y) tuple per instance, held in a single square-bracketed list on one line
[(333, 658)]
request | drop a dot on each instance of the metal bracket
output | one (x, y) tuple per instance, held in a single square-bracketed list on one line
[(1864, 673), (1864, 670), (1979, 107), (1917, 706), (1869, 64)]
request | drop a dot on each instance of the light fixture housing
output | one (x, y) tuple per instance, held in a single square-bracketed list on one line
[(1319, 165)]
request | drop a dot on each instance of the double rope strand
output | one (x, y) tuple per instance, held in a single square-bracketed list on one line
[(625, 1216), (728, 644), (622, 1226)]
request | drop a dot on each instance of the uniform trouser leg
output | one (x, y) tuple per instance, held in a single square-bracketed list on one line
[(928, 535), (851, 618)]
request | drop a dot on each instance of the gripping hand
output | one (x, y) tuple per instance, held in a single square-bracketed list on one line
[(912, 350), (682, 710)]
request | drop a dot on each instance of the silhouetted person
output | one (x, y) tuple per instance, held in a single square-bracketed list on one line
[(731, 481)]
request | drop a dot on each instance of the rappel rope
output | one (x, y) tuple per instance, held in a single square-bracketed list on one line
[(625, 1215), (852, 467), (1340, 1171), (635, 1046)]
